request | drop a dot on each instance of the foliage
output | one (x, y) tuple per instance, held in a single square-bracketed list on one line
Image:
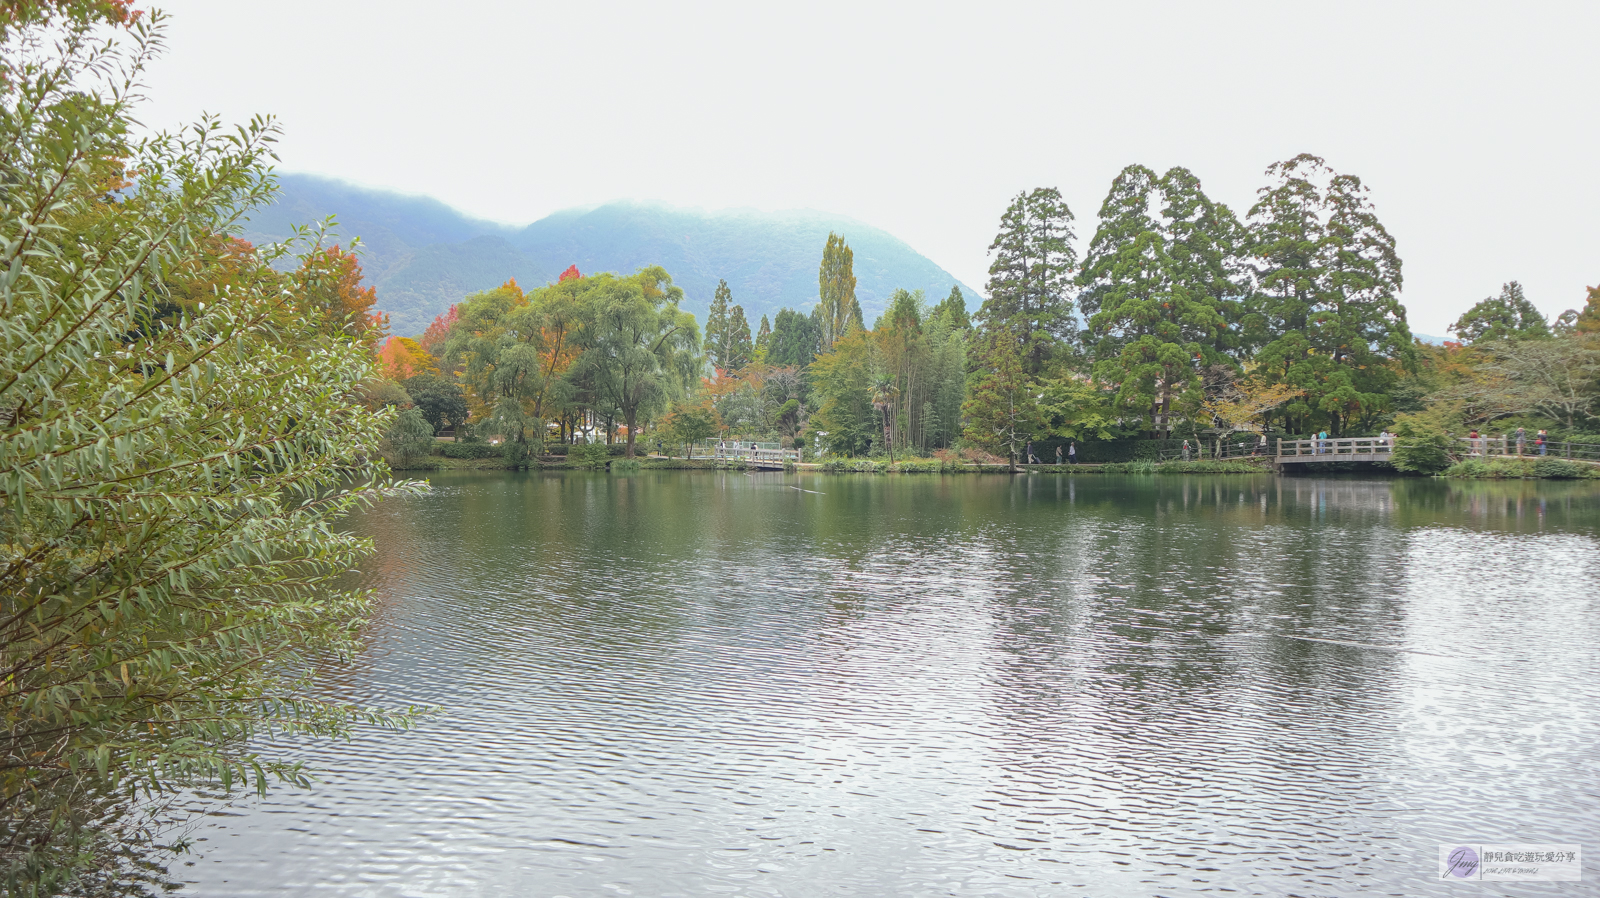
[(440, 400), (433, 339), (842, 378), (642, 350), (952, 311), (837, 309), (716, 341), (740, 351), (1161, 294), (402, 357), (1587, 320), (1327, 316), (468, 450), (408, 440), (1075, 408), (1521, 468), (173, 473), (1423, 443), (1509, 316), (514, 350), (1129, 467), (1030, 279), (796, 339), (1001, 408), (330, 292), (588, 455), (692, 422)]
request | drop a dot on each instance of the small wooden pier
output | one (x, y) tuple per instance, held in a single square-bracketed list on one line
[(757, 457)]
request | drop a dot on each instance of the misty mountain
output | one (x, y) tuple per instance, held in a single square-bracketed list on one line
[(422, 255)]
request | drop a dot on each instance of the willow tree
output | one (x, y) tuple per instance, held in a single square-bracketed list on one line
[(513, 350), (174, 459), (641, 350)]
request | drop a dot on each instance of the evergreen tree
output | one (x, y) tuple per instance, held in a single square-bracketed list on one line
[(1508, 316), (953, 310), (716, 341), (1161, 291), (1001, 410), (1031, 278), (837, 307), (763, 338), (794, 339), (737, 344), (1327, 315)]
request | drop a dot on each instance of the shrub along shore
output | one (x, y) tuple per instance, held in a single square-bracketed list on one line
[(484, 457)]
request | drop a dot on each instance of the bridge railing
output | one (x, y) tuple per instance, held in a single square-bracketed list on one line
[(757, 455), (1342, 449), (1506, 445), (1249, 446)]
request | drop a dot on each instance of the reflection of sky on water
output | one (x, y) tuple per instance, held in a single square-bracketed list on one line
[(687, 684)]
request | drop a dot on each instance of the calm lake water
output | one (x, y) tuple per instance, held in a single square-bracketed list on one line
[(698, 683)]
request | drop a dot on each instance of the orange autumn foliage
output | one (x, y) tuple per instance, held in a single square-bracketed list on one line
[(403, 357), (332, 295)]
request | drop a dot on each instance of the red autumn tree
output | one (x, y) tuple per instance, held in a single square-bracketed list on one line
[(438, 332), (331, 293), (571, 274)]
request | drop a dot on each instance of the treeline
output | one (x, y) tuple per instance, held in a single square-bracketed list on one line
[(1182, 318)]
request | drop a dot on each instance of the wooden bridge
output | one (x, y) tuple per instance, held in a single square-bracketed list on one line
[(1359, 449), (756, 457)]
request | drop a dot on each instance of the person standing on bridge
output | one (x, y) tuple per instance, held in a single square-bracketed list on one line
[(1543, 442), (1072, 453), (1522, 440), (1058, 455)]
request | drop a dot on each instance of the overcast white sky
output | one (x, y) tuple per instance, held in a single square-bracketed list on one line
[(1474, 124)]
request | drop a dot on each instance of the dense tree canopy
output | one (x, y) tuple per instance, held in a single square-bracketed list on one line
[(1030, 280), (1505, 317)]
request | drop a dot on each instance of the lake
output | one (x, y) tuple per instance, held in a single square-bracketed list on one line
[(707, 683)]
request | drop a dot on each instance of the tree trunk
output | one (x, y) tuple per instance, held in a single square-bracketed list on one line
[(628, 417)]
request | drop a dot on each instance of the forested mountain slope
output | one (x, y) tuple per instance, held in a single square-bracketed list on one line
[(423, 255)]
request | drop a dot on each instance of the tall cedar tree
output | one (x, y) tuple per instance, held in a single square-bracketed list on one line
[(763, 338), (837, 308), (1509, 316), (1161, 292), (1328, 315), (1030, 280), (717, 327), (794, 340), (952, 310), (737, 344)]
